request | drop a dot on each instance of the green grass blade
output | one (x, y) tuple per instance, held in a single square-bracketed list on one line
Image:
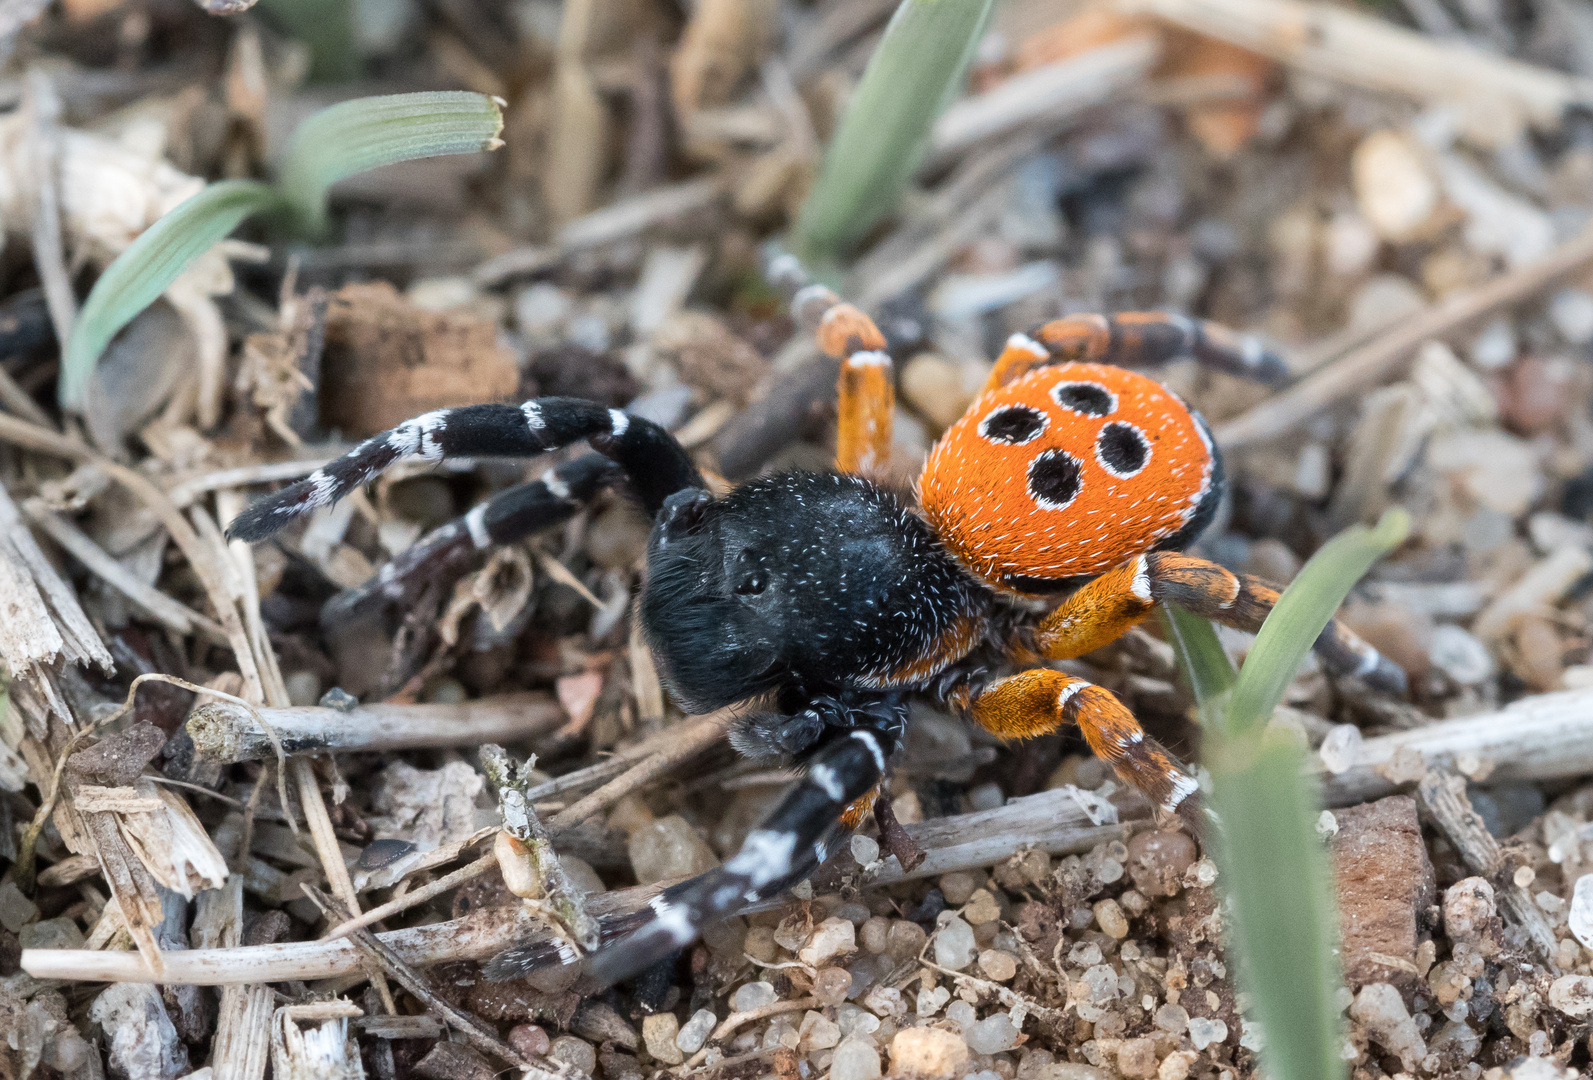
[(1273, 867), (909, 80), (1283, 929), (151, 262), (1302, 611), (354, 136), (1207, 667)]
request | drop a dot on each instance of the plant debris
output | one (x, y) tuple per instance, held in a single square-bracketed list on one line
[(387, 769)]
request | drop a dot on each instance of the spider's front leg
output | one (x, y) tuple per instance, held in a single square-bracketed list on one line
[(656, 464), (449, 550), (842, 768)]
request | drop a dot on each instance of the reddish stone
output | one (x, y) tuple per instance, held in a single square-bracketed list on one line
[(1385, 887)]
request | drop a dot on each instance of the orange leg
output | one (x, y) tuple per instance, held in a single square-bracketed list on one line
[(866, 389), (1104, 609), (1040, 701), (1135, 339)]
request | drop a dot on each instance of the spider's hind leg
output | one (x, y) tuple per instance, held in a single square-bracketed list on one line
[(1104, 609), (1136, 339)]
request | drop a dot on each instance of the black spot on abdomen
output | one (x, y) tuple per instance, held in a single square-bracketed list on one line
[(1055, 479), (1013, 425), (1122, 449), (1090, 399)]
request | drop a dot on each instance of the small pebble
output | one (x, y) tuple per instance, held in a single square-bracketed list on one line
[(957, 888), (831, 984), (304, 688), (905, 940), (760, 944), (1203, 1031), (1157, 861), (963, 1015), (669, 848), (1173, 1019), (1580, 918), (1495, 347), (865, 849), (1100, 984), (1339, 747), (856, 914), (574, 1051), (16, 910), (1136, 1059), (695, 1031), (954, 944), (928, 1053), (992, 1035), (998, 965), (817, 1032), (885, 1001), (986, 797), (753, 995), (855, 1059), (530, 1040), (854, 1020), (1572, 995), (1571, 312), (874, 934), (659, 1033), (1085, 954), (981, 908), (1111, 919), (832, 937), (931, 1002)]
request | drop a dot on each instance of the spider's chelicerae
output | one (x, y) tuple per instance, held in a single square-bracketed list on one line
[(828, 600)]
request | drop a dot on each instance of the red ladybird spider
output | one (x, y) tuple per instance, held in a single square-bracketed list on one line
[(826, 600)]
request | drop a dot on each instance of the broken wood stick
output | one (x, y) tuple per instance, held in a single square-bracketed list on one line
[(225, 732), (1443, 796), (1536, 738), (1384, 357)]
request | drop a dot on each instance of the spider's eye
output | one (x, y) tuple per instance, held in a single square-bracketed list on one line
[(753, 584)]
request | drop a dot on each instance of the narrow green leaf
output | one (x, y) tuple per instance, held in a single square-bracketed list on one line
[(1274, 871), (1302, 611), (354, 136), (1272, 867), (1209, 671), (153, 261), (911, 77)]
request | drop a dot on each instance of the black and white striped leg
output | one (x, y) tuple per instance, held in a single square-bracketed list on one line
[(655, 463), (844, 766), (449, 551)]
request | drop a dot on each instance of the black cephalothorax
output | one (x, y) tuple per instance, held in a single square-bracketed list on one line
[(801, 583)]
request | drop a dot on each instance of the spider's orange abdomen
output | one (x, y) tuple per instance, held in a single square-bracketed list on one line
[(1064, 473)]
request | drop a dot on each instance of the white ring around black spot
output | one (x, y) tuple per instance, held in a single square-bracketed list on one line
[(1122, 449), (1014, 425), (1055, 479), (1085, 398)]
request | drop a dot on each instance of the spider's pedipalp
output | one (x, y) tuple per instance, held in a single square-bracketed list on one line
[(654, 461), (846, 765)]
